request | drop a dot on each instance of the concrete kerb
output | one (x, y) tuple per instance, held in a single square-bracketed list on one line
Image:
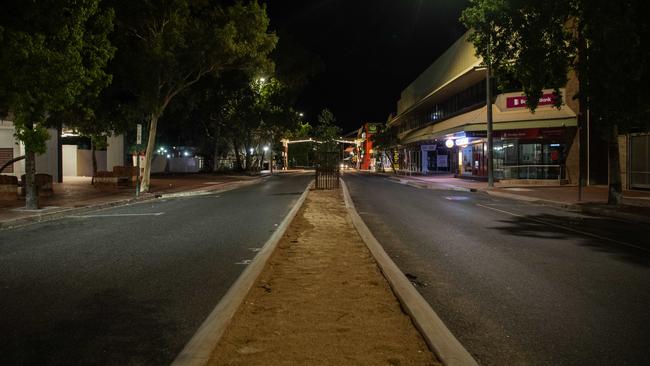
[(58, 214), (62, 213), (198, 350), (435, 333)]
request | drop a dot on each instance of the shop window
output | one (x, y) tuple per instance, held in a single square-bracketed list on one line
[(530, 154)]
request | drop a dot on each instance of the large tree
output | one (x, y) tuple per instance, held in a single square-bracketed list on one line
[(166, 47), (605, 42), (51, 51)]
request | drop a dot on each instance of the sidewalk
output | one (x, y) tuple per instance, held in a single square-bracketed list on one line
[(77, 193), (635, 204), (321, 300)]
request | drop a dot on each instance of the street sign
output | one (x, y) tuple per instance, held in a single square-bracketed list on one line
[(139, 135)]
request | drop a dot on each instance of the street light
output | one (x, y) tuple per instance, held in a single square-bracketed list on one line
[(266, 148)]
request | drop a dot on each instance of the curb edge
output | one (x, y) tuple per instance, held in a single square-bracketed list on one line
[(198, 350), (435, 333)]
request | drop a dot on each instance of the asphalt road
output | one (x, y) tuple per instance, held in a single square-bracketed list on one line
[(518, 284), (130, 285)]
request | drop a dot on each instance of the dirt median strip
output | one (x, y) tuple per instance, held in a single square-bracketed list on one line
[(321, 300)]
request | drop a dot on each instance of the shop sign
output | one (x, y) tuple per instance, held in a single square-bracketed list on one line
[(372, 128), (476, 133), (462, 141), (429, 147), (529, 133), (520, 101)]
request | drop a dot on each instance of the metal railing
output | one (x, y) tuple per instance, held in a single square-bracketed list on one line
[(327, 170), (530, 172)]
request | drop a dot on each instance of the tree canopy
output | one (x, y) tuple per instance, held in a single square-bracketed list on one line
[(605, 42), (51, 52)]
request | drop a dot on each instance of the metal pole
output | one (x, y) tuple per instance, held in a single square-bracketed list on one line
[(490, 141), (137, 182)]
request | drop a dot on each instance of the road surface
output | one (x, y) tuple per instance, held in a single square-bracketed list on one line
[(130, 285), (518, 284)]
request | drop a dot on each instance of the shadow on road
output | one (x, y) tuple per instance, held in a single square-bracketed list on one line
[(109, 328), (545, 226)]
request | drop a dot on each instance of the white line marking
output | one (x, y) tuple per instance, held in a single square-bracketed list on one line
[(567, 228), (118, 215)]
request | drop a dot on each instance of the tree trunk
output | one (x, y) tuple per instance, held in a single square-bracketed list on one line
[(238, 161), (249, 159), (615, 191), (31, 191), (153, 125)]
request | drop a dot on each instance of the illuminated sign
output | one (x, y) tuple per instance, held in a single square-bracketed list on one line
[(462, 142), (449, 143)]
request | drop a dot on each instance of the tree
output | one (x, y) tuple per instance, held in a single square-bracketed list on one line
[(385, 142), (539, 43), (51, 52), (166, 47), (326, 132)]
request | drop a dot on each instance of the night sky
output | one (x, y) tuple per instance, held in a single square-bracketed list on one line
[(371, 50)]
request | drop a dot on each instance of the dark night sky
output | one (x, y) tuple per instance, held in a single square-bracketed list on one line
[(371, 50)]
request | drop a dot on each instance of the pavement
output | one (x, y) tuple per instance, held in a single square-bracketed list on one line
[(635, 204), (77, 194)]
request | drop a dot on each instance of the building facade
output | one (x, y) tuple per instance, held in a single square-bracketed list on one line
[(441, 123)]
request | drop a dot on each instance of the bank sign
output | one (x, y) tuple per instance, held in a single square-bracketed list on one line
[(520, 101)]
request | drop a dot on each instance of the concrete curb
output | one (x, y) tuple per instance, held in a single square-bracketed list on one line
[(64, 212), (198, 350), (600, 211), (437, 336), (563, 205), (59, 214), (226, 187), (432, 186)]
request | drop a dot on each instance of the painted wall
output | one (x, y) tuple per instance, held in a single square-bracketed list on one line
[(7, 140), (85, 163), (48, 163), (69, 160), (114, 151)]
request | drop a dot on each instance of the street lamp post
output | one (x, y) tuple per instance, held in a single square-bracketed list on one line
[(490, 139)]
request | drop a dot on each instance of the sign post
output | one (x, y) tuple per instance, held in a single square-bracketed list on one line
[(137, 149)]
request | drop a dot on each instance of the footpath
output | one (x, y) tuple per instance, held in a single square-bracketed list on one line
[(77, 194), (635, 205), (321, 300)]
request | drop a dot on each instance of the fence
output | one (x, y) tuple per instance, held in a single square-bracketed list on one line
[(327, 169)]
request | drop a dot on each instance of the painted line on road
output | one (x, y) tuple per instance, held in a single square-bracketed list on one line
[(566, 228), (117, 215)]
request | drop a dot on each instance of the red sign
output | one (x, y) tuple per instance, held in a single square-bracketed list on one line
[(520, 102), (531, 133)]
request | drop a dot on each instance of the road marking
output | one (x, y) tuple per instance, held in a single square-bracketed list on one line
[(566, 228), (457, 198), (118, 215), (245, 262)]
